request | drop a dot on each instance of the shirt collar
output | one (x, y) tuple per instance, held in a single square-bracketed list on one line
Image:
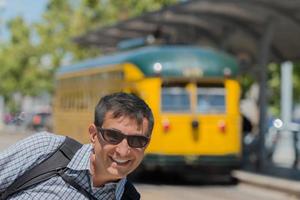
[(81, 160)]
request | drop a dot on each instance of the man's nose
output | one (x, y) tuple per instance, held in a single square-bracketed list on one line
[(123, 148)]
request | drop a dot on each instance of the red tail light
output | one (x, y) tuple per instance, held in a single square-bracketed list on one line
[(222, 126), (166, 125)]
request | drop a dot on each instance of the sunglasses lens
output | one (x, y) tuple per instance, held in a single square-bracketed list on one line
[(112, 137), (115, 137), (137, 141)]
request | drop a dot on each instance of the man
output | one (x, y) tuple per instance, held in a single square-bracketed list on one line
[(121, 131)]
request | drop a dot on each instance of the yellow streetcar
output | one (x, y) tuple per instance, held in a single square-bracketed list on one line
[(192, 91)]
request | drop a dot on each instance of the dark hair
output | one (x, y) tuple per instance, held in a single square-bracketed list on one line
[(124, 104)]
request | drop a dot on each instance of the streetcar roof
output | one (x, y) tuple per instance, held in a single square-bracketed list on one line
[(173, 60)]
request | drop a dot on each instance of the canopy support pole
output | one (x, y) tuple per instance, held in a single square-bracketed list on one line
[(263, 60)]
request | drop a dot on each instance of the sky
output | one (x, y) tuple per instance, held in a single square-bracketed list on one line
[(30, 10)]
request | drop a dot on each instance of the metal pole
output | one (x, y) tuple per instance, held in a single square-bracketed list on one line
[(289, 137), (286, 107), (286, 92), (263, 60)]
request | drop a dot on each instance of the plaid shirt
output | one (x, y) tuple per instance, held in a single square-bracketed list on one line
[(33, 150)]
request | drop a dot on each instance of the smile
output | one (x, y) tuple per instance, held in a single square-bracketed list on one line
[(120, 161)]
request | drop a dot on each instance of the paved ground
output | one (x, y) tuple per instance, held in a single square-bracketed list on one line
[(210, 192), (11, 135)]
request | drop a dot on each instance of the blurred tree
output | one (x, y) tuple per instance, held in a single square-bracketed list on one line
[(19, 70), (59, 28), (30, 57), (274, 89)]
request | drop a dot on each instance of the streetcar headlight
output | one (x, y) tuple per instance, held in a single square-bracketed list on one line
[(157, 67), (227, 72)]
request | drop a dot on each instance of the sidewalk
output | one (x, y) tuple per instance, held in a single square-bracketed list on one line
[(274, 183), (10, 135)]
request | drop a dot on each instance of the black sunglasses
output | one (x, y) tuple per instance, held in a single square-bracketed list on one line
[(115, 137)]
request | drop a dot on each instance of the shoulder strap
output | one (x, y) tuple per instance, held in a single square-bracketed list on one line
[(46, 169), (130, 193)]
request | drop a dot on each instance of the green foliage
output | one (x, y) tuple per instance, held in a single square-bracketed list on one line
[(296, 82), (17, 60), (274, 84), (274, 88), (246, 81), (30, 57), (122, 10)]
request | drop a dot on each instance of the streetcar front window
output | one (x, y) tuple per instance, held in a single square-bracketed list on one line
[(175, 99), (211, 100)]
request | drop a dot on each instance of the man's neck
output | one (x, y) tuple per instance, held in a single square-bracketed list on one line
[(99, 179)]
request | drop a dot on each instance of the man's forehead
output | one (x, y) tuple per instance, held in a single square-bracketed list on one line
[(117, 116), (140, 123)]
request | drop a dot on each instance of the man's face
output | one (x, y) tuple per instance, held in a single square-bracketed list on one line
[(113, 162)]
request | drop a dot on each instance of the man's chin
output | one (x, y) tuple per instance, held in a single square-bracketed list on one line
[(116, 174)]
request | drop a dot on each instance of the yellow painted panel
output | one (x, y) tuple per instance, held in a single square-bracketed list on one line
[(132, 73), (73, 124), (233, 97)]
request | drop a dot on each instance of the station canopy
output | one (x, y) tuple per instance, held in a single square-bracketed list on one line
[(235, 26)]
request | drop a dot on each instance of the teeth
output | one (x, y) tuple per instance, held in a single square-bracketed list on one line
[(120, 161)]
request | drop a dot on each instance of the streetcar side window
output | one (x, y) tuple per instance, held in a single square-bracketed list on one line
[(211, 100), (175, 99)]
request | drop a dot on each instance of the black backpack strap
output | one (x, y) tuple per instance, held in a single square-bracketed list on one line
[(46, 169), (130, 193)]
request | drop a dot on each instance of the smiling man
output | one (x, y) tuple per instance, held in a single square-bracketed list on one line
[(117, 117), (119, 136)]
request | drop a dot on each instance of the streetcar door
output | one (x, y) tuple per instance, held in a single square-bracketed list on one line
[(176, 118)]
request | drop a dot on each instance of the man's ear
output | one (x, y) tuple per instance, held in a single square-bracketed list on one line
[(93, 133)]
